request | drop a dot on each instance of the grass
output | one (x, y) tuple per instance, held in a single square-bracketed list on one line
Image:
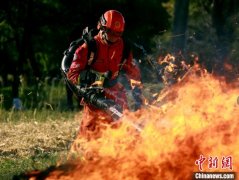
[(40, 135), (12, 167), (34, 139), (43, 95)]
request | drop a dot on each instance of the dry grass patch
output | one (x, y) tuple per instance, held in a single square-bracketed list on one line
[(28, 143), (21, 139)]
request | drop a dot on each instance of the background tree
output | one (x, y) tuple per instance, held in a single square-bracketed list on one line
[(180, 24), (35, 33), (224, 17), (39, 31), (212, 32)]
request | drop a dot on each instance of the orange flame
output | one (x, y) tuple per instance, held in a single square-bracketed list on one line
[(173, 68), (197, 117)]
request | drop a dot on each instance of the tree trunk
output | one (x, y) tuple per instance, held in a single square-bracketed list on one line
[(25, 49), (180, 25), (222, 12)]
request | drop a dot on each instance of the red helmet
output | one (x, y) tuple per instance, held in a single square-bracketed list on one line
[(112, 20)]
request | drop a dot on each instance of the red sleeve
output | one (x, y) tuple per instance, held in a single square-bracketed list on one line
[(78, 64), (131, 69)]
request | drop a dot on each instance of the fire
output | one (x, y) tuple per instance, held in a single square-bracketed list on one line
[(173, 68), (198, 116)]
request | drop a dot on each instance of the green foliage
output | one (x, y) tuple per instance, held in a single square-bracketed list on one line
[(44, 95), (32, 115), (5, 98), (47, 27), (40, 31), (6, 33), (202, 38), (48, 94), (7, 46), (202, 35), (34, 35), (213, 43), (51, 25)]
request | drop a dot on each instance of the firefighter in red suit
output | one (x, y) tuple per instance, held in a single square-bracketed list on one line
[(108, 58)]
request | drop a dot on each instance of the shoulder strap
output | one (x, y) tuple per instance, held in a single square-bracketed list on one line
[(88, 36), (91, 51), (69, 54)]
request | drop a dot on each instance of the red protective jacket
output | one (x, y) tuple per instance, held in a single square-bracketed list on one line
[(108, 58)]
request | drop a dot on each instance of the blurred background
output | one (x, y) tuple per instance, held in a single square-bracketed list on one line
[(35, 33)]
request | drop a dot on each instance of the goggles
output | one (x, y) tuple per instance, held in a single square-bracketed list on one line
[(112, 33)]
